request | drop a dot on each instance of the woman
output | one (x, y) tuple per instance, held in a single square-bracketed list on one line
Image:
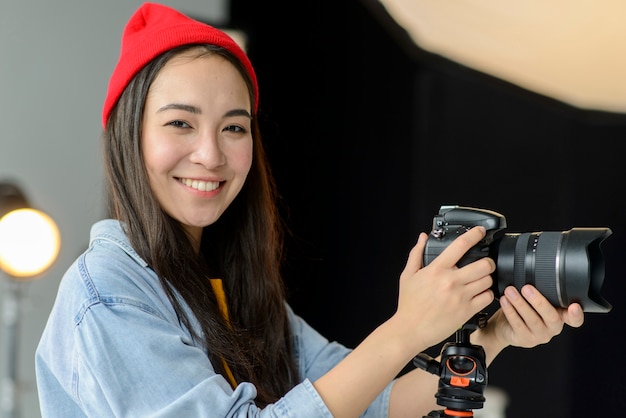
[(177, 308)]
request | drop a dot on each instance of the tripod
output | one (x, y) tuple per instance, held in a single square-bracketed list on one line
[(462, 372)]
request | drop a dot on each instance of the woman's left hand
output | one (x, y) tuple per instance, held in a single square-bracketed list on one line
[(525, 319)]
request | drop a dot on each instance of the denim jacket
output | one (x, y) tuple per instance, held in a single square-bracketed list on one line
[(113, 347)]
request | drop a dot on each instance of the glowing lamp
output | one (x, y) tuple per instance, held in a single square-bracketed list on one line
[(29, 243)]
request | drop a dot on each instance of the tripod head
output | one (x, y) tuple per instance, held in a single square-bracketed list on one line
[(462, 372)]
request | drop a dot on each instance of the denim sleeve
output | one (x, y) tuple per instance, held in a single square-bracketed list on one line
[(316, 355)]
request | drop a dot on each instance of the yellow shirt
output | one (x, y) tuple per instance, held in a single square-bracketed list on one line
[(218, 288)]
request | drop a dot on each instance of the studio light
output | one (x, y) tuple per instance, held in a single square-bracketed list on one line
[(29, 245)]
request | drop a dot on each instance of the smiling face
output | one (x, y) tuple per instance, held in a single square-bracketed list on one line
[(197, 138)]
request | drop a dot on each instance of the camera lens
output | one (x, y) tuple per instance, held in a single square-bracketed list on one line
[(565, 266)]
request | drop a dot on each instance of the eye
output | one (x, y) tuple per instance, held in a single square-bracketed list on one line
[(179, 124), (235, 129)]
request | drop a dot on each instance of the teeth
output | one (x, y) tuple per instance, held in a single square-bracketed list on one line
[(203, 186)]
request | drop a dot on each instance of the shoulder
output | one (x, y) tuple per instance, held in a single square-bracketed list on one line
[(108, 240), (110, 272)]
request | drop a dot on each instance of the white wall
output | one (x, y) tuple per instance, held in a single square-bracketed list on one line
[(55, 60)]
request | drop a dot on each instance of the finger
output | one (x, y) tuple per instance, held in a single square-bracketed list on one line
[(416, 255), (546, 321), (549, 314), (477, 282), (479, 268), (574, 316), (527, 326), (461, 245), (552, 316), (483, 295), (513, 317), (526, 312)]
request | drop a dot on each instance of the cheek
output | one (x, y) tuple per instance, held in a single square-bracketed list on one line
[(248, 162), (242, 159), (158, 159)]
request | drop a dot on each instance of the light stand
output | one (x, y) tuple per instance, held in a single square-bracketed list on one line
[(10, 320), (29, 244)]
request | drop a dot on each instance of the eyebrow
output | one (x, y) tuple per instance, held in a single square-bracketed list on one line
[(178, 106), (238, 112), (197, 111)]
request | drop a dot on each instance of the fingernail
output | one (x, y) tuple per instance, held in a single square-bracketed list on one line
[(528, 292), (511, 293)]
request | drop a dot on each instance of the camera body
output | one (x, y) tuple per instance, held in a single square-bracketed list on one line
[(565, 266), (452, 221)]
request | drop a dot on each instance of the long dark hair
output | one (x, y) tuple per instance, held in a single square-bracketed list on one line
[(243, 248)]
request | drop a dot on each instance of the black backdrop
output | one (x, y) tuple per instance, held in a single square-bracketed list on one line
[(368, 136)]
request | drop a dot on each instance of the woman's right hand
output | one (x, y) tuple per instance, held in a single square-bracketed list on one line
[(435, 300)]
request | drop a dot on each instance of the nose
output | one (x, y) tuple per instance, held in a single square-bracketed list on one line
[(208, 151)]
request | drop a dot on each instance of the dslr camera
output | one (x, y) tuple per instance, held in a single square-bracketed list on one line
[(565, 266)]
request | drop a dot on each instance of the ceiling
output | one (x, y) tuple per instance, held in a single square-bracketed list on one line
[(571, 50)]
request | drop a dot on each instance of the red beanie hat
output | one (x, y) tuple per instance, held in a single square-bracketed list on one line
[(154, 29)]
